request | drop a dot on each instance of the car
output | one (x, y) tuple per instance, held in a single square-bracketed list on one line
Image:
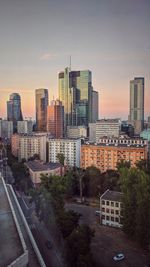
[(119, 257), (48, 244)]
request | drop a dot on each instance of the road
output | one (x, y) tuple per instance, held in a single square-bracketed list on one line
[(109, 241)]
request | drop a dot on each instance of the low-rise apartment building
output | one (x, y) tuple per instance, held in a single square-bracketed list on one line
[(37, 168), (105, 156), (110, 208)]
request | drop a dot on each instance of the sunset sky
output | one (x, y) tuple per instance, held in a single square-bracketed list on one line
[(109, 37)]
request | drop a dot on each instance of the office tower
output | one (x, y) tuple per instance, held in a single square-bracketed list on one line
[(55, 119), (95, 103), (14, 112), (24, 127), (75, 92), (41, 99), (137, 104)]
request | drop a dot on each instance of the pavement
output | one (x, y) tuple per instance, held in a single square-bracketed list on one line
[(109, 241)]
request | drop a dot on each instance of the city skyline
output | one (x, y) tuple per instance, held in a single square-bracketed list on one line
[(110, 39)]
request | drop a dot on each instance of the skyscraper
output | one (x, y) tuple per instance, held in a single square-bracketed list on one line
[(41, 99), (137, 104), (95, 104), (14, 112), (75, 92), (55, 119)]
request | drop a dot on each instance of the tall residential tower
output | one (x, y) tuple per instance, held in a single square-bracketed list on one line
[(136, 116), (41, 100), (14, 112)]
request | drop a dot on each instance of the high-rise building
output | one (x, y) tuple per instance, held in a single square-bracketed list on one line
[(70, 148), (14, 112), (26, 146), (55, 119), (107, 127), (75, 92), (41, 99), (6, 129), (24, 127), (95, 103), (137, 104)]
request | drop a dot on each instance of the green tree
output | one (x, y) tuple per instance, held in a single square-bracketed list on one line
[(61, 158), (78, 247), (93, 181)]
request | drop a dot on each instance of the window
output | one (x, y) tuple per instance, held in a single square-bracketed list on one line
[(107, 203), (112, 211), (107, 218), (103, 217), (103, 202), (117, 212), (116, 219), (117, 204), (112, 219), (107, 210), (103, 209), (112, 203)]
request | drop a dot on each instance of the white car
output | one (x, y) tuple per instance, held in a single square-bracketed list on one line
[(119, 257)]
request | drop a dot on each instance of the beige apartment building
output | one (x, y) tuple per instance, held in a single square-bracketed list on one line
[(106, 156)]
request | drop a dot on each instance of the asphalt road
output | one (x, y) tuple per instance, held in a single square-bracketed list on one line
[(109, 241)]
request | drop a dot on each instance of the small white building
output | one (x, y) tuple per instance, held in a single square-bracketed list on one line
[(37, 168), (110, 208)]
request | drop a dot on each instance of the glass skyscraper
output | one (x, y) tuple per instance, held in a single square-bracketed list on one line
[(41, 100), (14, 112), (136, 116), (75, 92)]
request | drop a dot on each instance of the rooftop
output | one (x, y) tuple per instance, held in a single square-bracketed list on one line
[(10, 245), (112, 195), (115, 145), (37, 165)]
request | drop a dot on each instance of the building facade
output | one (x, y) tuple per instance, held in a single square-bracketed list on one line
[(111, 208), (107, 127), (14, 112), (75, 92), (70, 148), (95, 105), (26, 146), (137, 104), (41, 100), (24, 127), (105, 156), (37, 168), (6, 129), (55, 119), (76, 132)]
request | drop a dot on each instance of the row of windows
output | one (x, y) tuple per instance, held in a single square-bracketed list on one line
[(109, 218), (112, 211), (111, 203)]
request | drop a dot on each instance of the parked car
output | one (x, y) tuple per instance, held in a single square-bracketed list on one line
[(48, 244), (119, 257), (97, 212)]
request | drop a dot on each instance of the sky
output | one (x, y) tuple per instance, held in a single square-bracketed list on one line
[(109, 37)]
